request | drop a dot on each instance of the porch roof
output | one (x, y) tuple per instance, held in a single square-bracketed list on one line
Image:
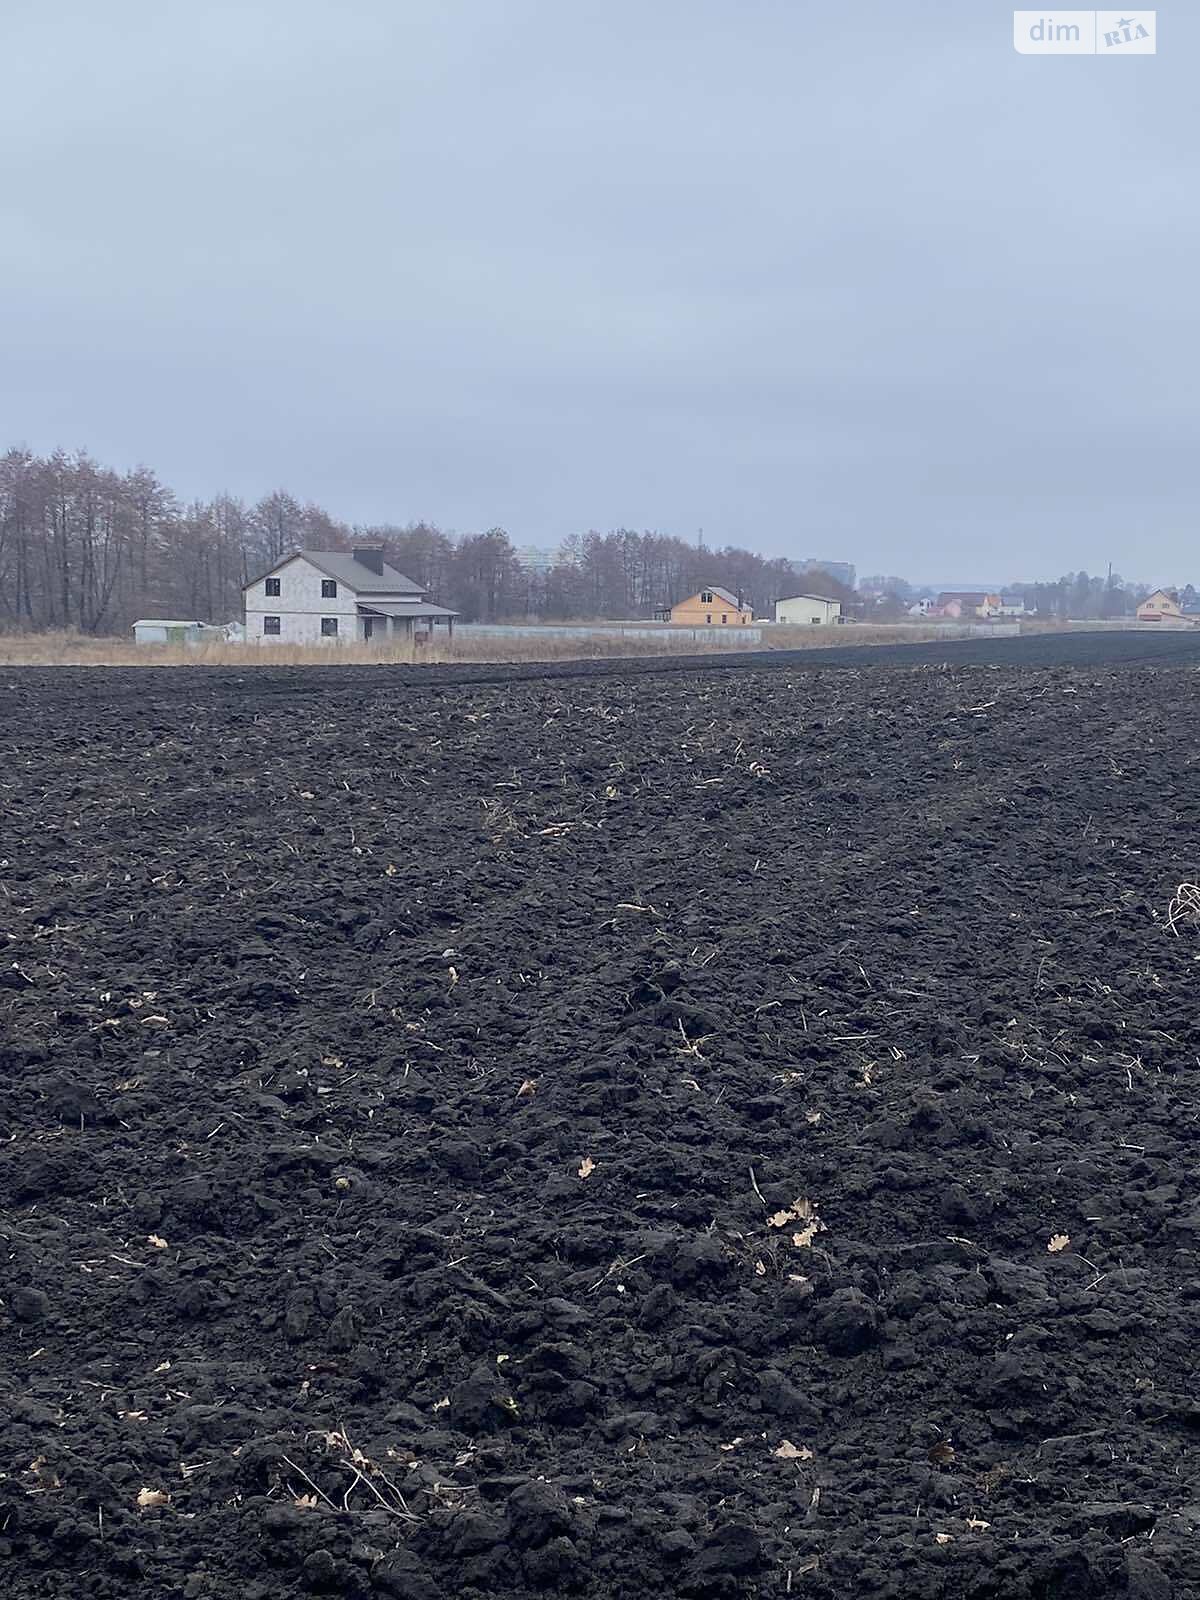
[(400, 608)]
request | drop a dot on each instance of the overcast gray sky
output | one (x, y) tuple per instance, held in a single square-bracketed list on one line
[(851, 279)]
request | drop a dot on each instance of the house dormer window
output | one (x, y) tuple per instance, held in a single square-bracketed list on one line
[(272, 586), (706, 597), (328, 589)]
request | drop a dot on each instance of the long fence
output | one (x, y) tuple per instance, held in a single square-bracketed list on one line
[(671, 636), (665, 634)]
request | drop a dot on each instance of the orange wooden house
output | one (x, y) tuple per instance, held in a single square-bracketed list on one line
[(707, 607)]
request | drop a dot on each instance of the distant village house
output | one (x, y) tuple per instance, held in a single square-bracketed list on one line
[(1162, 606), (713, 606), (808, 610), (332, 596), (958, 604)]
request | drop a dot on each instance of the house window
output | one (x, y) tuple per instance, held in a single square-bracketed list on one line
[(816, 619), (329, 627), (328, 589), (708, 618), (706, 599), (270, 624), (272, 586), (724, 617)]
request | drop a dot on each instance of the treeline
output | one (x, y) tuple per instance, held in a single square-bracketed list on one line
[(83, 546), (1084, 597)]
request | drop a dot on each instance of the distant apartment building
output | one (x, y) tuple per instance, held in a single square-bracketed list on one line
[(844, 571), (535, 558)]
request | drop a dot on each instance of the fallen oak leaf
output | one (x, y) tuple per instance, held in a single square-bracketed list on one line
[(528, 1087), (156, 1240), (977, 1522), (305, 1502), (149, 1498), (586, 1167), (1058, 1241)]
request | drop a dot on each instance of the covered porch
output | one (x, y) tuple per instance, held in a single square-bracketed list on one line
[(392, 621)]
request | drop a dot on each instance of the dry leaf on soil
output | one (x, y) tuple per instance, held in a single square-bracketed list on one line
[(977, 1522), (800, 1210), (788, 1451), (586, 1167), (1058, 1241), (148, 1498), (528, 1087), (305, 1502), (156, 1240)]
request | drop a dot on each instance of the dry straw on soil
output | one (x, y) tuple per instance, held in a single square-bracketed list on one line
[(1184, 910)]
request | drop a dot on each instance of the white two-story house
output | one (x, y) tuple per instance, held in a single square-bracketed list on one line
[(332, 596)]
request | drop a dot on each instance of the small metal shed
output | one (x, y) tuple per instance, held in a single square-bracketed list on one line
[(155, 630)]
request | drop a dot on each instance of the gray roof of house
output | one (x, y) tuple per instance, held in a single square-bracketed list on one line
[(404, 608), (715, 588), (826, 599), (343, 568)]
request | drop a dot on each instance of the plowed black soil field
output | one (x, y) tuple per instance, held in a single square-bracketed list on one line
[(702, 1133)]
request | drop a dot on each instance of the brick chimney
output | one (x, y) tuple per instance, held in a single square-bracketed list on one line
[(371, 556)]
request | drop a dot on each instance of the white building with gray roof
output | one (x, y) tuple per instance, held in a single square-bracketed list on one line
[(339, 596)]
